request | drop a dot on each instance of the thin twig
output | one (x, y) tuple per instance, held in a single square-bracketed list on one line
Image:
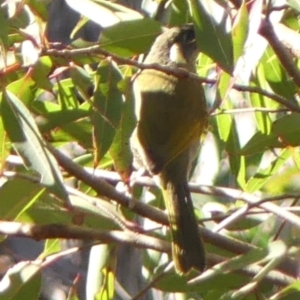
[(218, 240), (248, 110), (177, 72), (105, 189)]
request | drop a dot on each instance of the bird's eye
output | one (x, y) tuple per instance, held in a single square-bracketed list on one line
[(189, 36)]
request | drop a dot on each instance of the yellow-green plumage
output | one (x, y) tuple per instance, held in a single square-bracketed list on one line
[(171, 114)]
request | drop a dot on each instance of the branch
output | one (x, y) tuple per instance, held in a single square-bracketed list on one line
[(218, 240), (268, 32), (48, 231), (275, 277), (234, 194), (91, 178), (230, 193), (248, 110), (177, 72), (105, 189)]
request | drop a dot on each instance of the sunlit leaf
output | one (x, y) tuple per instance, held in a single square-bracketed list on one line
[(40, 73), (53, 116), (79, 131), (294, 3), (224, 121), (99, 277), (107, 107), (120, 148), (17, 196), (263, 175), (259, 143), (22, 279), (240, 31), (263, 119), (178, 12), (3, 26), (276, 76), (213, 36), (23, 133), (287, 129), (130, 38), (290, 292), (102, 12), (51, 246)]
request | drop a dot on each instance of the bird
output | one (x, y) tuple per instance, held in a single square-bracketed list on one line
[(171, 115)]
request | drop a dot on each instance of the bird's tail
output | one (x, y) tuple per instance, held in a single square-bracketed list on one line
[(187, 247)]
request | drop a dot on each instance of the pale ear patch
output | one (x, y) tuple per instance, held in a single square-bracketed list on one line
[(176, 54)]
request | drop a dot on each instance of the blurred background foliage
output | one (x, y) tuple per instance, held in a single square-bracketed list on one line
[(66, 72)]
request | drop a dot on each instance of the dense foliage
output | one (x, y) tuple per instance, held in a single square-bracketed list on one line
[(77, 98)]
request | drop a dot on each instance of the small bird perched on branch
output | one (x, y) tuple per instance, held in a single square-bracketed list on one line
[(171, 116)]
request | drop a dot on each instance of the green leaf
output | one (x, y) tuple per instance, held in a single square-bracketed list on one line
[(53, 116), (237, 161), (100, 278), (178, 13), (4, 146), (107, 107), (81, 79), (67, 94), (17, 196), (263, 119), (108, 289), (130, 38), (103, 216), (287, 129), (39, 9), (213, 38), (3, 27), (51, 246), (20, 19), (257, 181), (104, 13), (232, 264), (277, 252), (22, 279), (79, 131), (246, 222), (294, 4), (120, 148), (259, 143), (26, 139), (240, 31), (40, 72), (23, 88), (285, 132), (224, 121), (222, 282), (290, 292), (277, 77)]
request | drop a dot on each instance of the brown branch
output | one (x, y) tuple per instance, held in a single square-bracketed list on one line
[(218, 240), (48, 231), (105, 189), (277, 98), (230, 193), (289, 38), (89, 176), (248, 110), (268, 32), (177, 72)]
